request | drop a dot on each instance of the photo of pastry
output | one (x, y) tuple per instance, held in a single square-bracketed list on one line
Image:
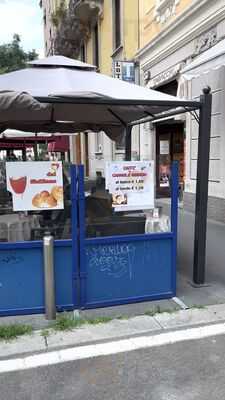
[(35, 186), (57, 193), (118, 199), (45, 199)]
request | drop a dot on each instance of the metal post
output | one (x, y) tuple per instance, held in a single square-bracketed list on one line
[(174, 214), (35, 151), (202, 187), (128, 143), (24, 156), (50, 308)]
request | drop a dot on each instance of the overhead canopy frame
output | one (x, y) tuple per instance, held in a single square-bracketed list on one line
[(69, 96)]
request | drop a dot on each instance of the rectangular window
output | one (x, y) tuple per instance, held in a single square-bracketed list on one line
[(120, 144), (96, 46), (99, 142), (82, 53), (117, 23)]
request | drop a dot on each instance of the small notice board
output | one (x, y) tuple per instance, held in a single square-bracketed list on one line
[(131, 184)]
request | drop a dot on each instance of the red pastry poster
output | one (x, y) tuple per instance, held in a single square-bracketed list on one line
[(36, 185)]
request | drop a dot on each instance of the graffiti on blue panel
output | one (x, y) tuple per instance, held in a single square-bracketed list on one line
[(115, 260), (11, 259)]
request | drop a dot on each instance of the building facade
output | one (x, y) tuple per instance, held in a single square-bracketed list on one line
[(104, 33), (52, 10), (173, 35)]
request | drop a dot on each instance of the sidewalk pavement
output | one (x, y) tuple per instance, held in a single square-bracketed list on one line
[(114, 330), (187, 296), (212, 295), (215, 249)]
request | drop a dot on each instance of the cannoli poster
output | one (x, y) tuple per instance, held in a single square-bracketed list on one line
[(131, 184), (36, 185)]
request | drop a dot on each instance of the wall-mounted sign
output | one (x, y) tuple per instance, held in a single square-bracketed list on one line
[(131, 184), (164, 147), (35, 185), (124, 70)]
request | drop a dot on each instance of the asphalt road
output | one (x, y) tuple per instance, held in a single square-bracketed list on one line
[(192, 370)]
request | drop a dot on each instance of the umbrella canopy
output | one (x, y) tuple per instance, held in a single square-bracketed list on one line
[(81, 99), (12, 139)]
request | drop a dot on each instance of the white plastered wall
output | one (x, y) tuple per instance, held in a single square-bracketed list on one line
[(216, 80)]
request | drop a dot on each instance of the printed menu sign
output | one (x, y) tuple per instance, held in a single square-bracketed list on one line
[(36, 185), (131, 185)]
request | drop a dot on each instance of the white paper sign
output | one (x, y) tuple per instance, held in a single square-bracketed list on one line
[(164, 147), (36, 185), (131, 184)]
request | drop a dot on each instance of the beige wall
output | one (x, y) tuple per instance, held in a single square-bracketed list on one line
[(149, 26), (130, 28), (129, 33), (105, 37)]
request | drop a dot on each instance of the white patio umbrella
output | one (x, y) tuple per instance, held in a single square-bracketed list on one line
[(80, 99)]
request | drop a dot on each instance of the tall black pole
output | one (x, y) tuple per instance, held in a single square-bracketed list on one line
[(128, 143), (24, 153), (202, 187)]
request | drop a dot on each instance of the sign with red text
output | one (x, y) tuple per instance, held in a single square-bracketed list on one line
[(131, 184), (36, 185)]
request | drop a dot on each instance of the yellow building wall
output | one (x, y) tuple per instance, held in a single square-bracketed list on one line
[(149, 27), (130, 28), (89, 51), (105, 38), (129, 31)]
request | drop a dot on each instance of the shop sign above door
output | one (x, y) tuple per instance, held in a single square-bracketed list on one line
[(131, 184), (165, 76), (36, 185)]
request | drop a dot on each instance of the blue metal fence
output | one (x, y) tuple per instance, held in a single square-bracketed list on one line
[(91, 272), (125, 269), (22, 277)]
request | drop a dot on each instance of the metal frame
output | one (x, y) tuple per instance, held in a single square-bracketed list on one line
[(78, 216), (176, 108), (81, 237), (83, 241), (33, 245), (202, 187), (72, 243), (117, 102), (74, 224)]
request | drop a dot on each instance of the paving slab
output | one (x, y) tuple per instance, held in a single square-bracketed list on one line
[(186, 318), (129, 310), (37, 321), (115, 329), (22, 345), (217, 311), (213, 293), (112, 330)]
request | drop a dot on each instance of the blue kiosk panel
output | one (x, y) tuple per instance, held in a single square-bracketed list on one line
[(22, 278), (131, 271)]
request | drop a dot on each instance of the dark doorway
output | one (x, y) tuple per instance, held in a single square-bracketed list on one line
[(170, 145)]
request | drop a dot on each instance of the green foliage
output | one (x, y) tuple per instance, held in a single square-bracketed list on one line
[(13, 57), (158, 310), (9, 332), (66, 322), (45, 333)]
